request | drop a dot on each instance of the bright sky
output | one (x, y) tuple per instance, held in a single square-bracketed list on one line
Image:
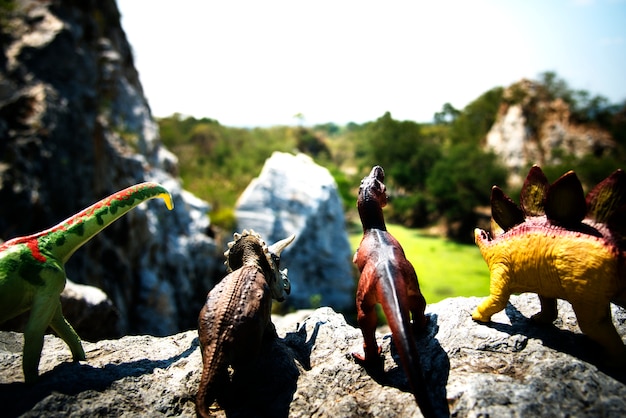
[(258, 63)]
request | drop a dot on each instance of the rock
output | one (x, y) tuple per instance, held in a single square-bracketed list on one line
[(293, 195), (510, 367), (76, 127), (531, 128), (90, 311)]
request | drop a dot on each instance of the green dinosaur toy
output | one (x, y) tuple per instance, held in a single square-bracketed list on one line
[(560, 244), (32, 273)]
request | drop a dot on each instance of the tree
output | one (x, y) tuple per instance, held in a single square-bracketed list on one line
[(447, 115), (473, 123), (461, 181), (401, 149)]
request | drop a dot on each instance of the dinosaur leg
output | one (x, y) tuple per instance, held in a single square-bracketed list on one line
[(548, 312), (492, 305), (42, 311), (596, 324), (367, 319), (65, 331), (417, 305), (498, 297)]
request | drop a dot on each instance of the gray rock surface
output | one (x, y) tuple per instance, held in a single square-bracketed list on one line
[(510, 367), (75, 127), (293, 195)]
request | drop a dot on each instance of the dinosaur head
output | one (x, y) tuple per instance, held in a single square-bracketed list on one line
[(248, 248), (482, 239), (372, 188)]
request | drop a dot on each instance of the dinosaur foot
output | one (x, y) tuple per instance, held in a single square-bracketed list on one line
[(373, 364), (478, 317), (543, 318), (420, 325)]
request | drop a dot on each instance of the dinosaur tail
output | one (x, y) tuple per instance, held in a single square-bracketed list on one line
[(396, 311), (80, 228), (214, 377)]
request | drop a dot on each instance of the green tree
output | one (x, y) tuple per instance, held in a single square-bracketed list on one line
[(400, 148), (461, 181), (473, 123), (447, 115)]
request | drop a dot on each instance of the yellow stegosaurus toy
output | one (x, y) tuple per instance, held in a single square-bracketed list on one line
[(560, 244)]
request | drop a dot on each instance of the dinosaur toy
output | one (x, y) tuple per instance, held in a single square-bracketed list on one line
[(236, 316), (388, 278), (32, 270), (560, 244)]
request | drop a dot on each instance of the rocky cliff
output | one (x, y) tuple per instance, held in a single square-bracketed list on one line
[(75, 127), (510, 368), (531, 128)]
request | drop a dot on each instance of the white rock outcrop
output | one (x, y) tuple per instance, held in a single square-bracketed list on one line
[(294, 195)]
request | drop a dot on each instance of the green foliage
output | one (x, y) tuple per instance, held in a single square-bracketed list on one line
[(315, 301), (472, 124), (461, 181), (7, 9), (447, 115), (585, 107), (345, 185), (309, 143), (400, 147), (407, 151), (216, 162), (590, 169)]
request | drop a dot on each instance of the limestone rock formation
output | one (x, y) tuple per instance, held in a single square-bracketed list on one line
[(293, 195), (511, 367), (532, 129), (76, 127)]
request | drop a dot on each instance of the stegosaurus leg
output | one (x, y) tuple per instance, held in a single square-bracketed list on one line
[(548, 312), (498, 297), (597, 325)]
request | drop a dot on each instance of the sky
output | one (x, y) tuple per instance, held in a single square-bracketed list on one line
[(260, 63)]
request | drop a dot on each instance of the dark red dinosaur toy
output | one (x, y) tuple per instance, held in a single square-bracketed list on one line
[(388, 278)]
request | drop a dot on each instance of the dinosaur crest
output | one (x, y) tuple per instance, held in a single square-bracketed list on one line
[(563, 203), (249, 247)]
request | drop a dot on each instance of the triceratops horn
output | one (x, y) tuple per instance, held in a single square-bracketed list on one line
[(279, 246)]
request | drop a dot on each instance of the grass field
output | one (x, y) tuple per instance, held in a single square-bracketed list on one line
[(444, 268)]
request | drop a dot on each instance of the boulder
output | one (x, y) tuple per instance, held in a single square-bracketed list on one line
[(294, 195), (90, 311), (510, 367), (76, 127)]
